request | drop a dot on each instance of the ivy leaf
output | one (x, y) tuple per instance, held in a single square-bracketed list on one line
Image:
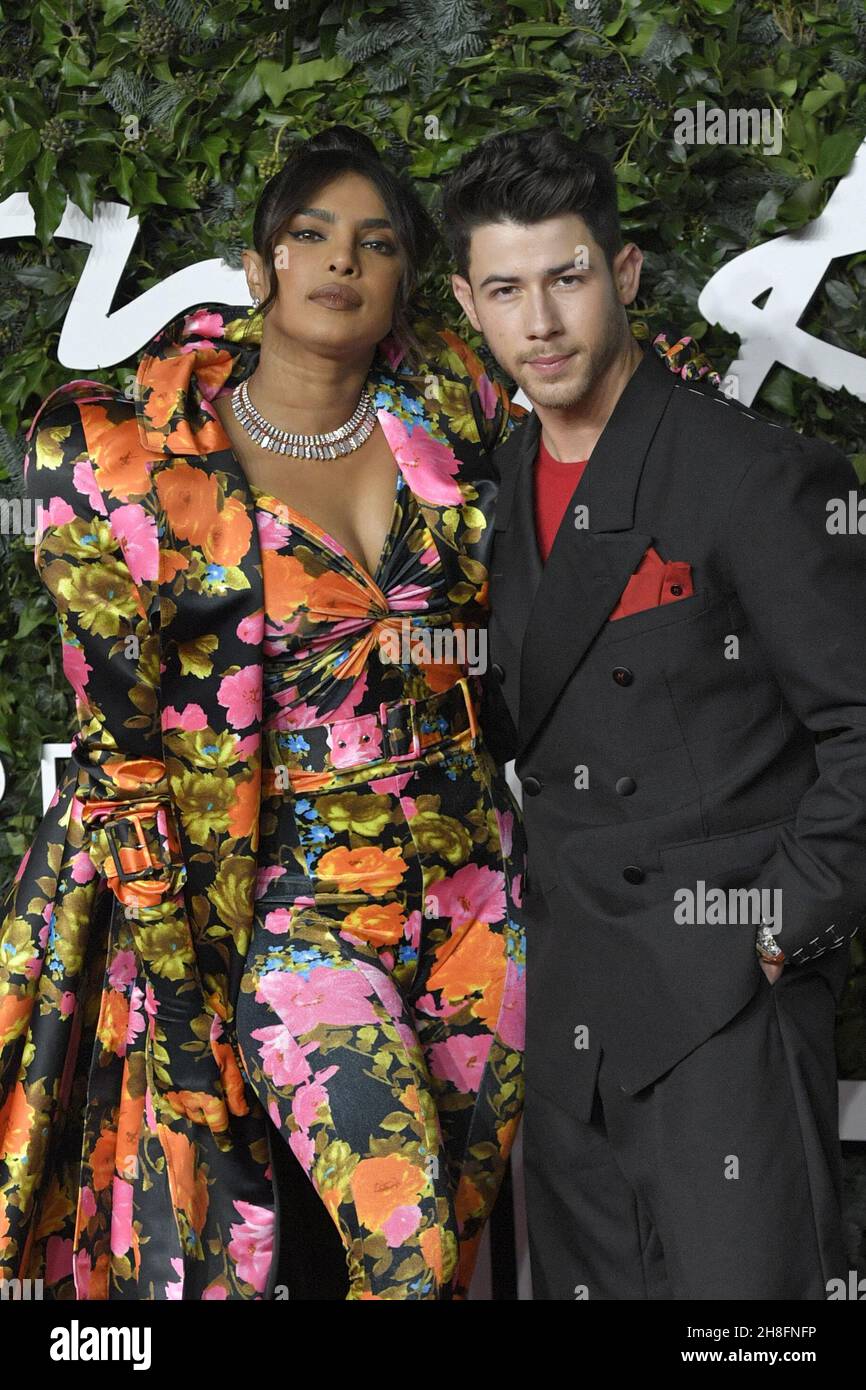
[(837, 152), (21, 148), (48, 206)]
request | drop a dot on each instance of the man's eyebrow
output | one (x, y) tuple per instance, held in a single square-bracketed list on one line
[(515, 279), (325, 216)]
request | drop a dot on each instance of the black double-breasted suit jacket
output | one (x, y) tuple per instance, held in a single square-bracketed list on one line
[(716, 739)]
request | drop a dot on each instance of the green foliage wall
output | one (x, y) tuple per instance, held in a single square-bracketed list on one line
[(181, 110)]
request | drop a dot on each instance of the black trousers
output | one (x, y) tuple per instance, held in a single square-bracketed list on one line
[(722, 1180)]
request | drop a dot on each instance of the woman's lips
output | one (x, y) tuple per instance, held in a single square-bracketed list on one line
[(335, 299)]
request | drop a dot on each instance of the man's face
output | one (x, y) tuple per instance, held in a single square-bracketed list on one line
[(552, 317)]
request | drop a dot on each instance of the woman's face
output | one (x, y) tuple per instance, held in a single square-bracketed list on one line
[(338, 265)]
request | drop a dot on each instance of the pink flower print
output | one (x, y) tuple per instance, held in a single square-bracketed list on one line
[(67, 1004), (174, 1292), (252, 629), (84, 481), (384, 987), (391, 351), (461, 1059), (76, 669), (391, 786), (282, 1057), (355, 741), (278, 920), (265, 876), (57, 513), (426, 1004), (136, 531), (247, 747), (428, 466), (87, 1201), (252, 1244), (486, 395), (83, 868), (402, 1223), (350, 701), (241, 696), (81, 1272), (149, 1112), (512, 1018), (475, 893), (505, 822), (58, 1259), (517, 890), (191, 717), (121, 1216), (203, 324), (303, 1147), (136, 1022), (215, 1292), (408, 598), (311, 1097), (273, 532), (326, 995), (429, 556), (122, 971)]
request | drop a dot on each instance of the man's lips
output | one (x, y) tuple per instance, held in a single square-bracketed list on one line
[(550, 364)]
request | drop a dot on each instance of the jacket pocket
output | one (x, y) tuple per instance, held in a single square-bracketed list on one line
[(720, 854)]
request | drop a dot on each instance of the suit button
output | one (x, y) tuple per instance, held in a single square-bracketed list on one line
[(632, 874), (531, 786), (498, 672), (676, 589), (625, 786), (622, 675)]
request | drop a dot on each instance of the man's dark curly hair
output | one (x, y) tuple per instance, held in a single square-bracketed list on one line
[(526, 177)]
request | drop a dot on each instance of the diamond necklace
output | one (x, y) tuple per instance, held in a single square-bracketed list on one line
[(310, 446)]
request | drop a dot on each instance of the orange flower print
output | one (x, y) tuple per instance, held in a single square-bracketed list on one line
[(382, 1185), (188, 1184), (228, 539), (189, 497), (381, 924), (369, 868), (16, 1121)]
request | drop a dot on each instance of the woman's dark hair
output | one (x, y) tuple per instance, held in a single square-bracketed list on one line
[(314, 163), (527, 177)]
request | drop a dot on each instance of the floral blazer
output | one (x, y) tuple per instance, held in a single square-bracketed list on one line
[(134, 1161)]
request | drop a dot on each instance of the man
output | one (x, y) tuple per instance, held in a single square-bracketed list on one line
[(680, 641)]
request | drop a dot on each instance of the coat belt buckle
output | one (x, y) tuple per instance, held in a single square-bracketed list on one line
[(463, 682), (140, 855), (414, 750)]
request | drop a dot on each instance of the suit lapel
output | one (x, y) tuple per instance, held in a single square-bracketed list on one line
[(558, 609)]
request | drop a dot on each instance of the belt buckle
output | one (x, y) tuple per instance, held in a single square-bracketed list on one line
[(415, 747), (129, 876), (463, 682)]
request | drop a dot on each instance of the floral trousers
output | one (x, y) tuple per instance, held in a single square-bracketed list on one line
[(380, 1018)]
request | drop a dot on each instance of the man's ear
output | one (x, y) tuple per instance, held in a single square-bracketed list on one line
[(626, 272), (462, 292)]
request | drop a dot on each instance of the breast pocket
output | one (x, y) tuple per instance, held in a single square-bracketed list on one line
[(633, 690)]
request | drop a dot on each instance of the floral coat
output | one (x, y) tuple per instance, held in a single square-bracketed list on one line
[(134, 1157)]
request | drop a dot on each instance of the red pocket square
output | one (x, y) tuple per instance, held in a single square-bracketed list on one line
[(654, 582)]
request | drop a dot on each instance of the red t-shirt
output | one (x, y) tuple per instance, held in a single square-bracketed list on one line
[(553, 483)]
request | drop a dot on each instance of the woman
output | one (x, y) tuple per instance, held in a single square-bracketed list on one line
[(329, 934), (276, 899)]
